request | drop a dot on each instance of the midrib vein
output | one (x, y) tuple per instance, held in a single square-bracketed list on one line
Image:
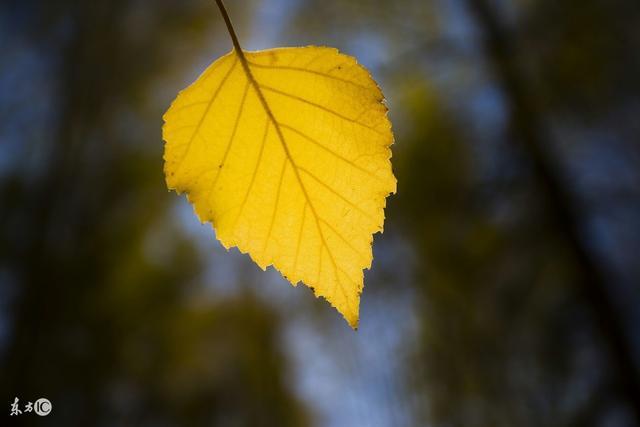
[(294, 166)]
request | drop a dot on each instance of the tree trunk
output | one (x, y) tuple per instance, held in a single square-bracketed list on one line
[(528, 127)]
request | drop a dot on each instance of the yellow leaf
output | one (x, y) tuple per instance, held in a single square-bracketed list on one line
[(286, 152)]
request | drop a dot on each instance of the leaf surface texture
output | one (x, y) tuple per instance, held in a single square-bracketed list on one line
[(287, 155)]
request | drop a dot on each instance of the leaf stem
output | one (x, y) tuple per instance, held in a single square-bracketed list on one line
[(232, 33)]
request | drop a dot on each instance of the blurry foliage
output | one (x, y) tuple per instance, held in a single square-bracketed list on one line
[(582, 64), (497, 303), (112, 325)]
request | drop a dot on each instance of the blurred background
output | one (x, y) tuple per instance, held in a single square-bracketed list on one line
[(504, 291)]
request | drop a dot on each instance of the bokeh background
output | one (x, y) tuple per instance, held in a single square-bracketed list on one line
[(504, 291)]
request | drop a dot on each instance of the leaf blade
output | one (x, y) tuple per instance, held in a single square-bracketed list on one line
[(302, 182)]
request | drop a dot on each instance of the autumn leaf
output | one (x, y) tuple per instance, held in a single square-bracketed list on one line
[(286, 152)]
